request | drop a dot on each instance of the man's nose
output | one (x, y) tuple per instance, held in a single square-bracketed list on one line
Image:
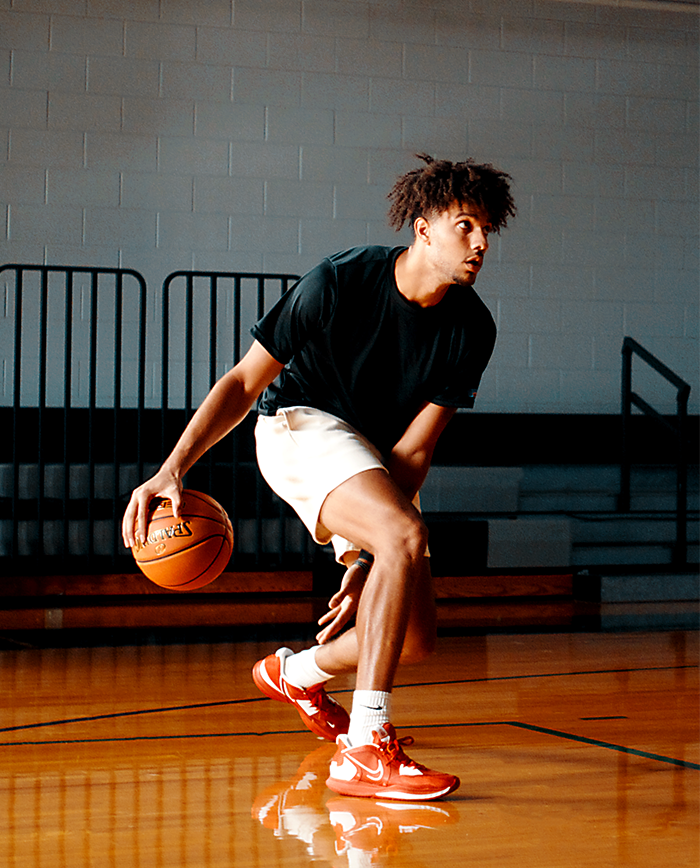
[(480, 240)]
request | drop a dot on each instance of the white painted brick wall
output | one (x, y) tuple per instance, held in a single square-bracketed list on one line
[(264, 134)]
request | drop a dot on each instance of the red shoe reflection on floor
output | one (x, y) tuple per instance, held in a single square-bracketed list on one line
[(368, 829), (304, 792)]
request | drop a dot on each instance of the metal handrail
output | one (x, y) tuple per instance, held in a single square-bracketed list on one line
[(63, 324), (205, 285), (68, 274), (629, 399)]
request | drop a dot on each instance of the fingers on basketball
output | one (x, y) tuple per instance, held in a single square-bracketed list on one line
[(189, 550)]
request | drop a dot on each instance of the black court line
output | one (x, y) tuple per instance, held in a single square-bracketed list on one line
[(191, 707), (122, 738), (117, 714), (541, 675), (514, 723), (607, 745), (580, 738), (238, 734), (607, 717)]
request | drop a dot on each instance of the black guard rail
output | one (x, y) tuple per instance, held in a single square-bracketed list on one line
[(56, 310), (204, 330), (679, 427), (91, 410)]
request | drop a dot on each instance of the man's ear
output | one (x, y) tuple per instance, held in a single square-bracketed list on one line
[(421, 229)]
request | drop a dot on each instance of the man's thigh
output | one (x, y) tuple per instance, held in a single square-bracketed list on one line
[(304, 454), (371, 510)]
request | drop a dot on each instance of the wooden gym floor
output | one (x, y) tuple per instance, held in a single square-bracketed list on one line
[(573, 750)]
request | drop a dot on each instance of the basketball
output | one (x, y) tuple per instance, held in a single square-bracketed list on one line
[(189, 551)]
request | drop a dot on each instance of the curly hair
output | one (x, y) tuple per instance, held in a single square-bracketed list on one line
[(434, 187)]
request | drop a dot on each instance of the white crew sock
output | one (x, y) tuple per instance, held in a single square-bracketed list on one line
[(300, 670), (370, 709)]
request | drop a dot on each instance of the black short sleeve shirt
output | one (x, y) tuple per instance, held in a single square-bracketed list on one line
[(353, 346)]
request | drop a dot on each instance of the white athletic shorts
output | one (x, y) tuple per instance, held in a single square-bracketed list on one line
[(304, 454)]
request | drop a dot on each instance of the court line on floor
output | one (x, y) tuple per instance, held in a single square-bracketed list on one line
[(606, 744), (123, 738), (540, 675), (572, 737), (138, 712), (114, 715), (514, 723)]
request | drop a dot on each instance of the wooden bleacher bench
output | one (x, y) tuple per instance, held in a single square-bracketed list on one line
[(129, 600)]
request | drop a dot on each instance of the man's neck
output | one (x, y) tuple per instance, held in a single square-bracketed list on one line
[(416, 281)]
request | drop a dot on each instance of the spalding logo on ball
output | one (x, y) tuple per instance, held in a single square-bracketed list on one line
[(187, 552)]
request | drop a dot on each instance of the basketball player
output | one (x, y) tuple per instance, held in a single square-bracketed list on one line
[(372, 352)]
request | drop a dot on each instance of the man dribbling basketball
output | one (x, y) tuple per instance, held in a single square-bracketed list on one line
[(375, 349)]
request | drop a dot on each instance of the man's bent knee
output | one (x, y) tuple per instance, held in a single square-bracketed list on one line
[(407, 537)]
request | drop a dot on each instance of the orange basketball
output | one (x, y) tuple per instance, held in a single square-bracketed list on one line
[(189, 551)]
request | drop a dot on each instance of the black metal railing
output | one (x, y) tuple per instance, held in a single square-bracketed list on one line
[(205, 330), (679, 427), (93, 409), (70, 339)]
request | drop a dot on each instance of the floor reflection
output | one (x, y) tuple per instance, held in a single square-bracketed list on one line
[(340, 830)]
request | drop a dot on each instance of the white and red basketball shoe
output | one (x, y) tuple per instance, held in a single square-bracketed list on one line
[(383, 771), (324, 716)]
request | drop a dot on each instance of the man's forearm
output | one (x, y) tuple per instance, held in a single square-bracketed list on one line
[(410, 459), (223, 408), (226, 405), (409, 471)]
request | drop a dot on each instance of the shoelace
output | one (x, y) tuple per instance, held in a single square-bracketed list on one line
[(320, 698), (394, 751)]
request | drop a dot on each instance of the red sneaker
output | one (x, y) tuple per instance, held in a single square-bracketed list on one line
[(324, 716), (383, 771)]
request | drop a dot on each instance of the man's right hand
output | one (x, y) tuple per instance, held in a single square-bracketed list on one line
[(135, 521), (226, 405), (343, 604)]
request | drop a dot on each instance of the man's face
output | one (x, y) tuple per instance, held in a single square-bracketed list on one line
[(458, 241)]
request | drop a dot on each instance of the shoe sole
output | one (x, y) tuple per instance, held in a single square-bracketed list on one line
[(372, 791)]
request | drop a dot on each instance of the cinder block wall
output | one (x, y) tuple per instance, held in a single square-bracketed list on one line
[(265, 134)]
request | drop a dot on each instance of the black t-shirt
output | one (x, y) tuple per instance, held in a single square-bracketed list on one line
[(353, 346)]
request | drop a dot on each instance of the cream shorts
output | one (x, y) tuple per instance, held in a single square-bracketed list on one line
[(304, 454)]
